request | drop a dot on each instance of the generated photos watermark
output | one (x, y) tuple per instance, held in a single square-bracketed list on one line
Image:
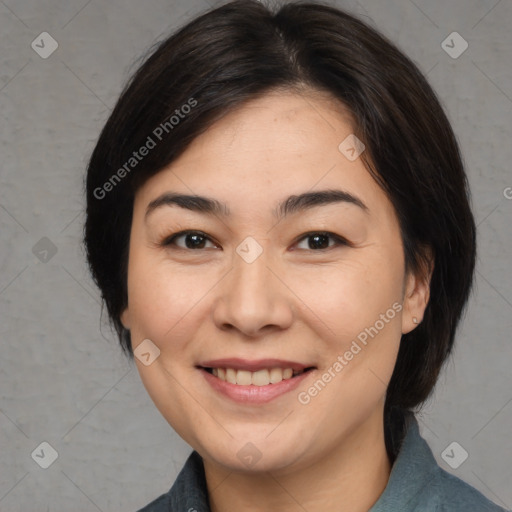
[(304, 397), (156, 136)]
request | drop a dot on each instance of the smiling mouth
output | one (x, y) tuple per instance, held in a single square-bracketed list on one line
[(262, 377)]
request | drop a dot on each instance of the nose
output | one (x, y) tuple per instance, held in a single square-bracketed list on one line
[(253, 299)]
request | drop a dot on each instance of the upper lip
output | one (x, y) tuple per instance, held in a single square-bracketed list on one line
[(253, 365)]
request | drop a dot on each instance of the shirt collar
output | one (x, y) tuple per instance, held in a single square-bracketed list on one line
[(189, 490), (412, 470)]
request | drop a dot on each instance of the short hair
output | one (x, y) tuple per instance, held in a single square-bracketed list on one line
[(243, 50)]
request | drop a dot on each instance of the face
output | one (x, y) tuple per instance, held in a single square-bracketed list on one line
[(269, 325)]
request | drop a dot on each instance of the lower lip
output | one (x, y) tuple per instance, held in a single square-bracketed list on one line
[(254, 394)]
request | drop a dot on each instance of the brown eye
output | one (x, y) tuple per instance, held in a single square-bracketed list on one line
[(320, 241), (191, 239)]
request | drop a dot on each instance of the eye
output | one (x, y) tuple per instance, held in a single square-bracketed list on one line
[(192, 240), (195, 240), (319, 240)]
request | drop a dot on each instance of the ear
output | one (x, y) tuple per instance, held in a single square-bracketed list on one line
[(125, 318), (417, 294)]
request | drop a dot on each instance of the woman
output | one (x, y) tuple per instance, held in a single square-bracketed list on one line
[(278, 220)]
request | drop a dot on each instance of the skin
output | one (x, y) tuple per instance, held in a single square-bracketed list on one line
[(293, 302)]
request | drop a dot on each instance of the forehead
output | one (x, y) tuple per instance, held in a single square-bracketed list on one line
[(269, 148), (278, 125)]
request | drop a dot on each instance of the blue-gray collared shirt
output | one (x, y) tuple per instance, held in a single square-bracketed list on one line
[(416, 484)]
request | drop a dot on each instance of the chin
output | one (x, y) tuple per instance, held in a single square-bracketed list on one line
[(254, 454)]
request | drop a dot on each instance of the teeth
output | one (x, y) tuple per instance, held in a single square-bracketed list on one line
[(230, 375), (244, 378), (276, 375), (259, 378)]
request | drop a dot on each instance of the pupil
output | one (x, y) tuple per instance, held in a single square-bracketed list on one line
[(320, 242), (196, 241)]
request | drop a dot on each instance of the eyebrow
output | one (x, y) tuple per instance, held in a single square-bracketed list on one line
[(291, 205)]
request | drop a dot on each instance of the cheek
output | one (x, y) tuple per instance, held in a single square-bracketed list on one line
[(350, 297), (359, 307), (162, 302)]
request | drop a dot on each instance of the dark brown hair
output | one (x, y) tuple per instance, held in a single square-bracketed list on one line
[(243, 50)]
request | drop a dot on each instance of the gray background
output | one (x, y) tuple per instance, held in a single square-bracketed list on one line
[(63, 379)]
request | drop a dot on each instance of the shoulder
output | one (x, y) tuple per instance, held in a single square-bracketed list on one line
[(418, 484), (455, 495), (161, 504), (188, 493)]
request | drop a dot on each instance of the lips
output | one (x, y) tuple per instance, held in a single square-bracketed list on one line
[(256, 381)]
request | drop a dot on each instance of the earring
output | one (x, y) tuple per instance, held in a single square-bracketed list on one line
[(415, 320)]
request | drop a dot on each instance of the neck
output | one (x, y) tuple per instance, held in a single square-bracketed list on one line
[(349, 477)]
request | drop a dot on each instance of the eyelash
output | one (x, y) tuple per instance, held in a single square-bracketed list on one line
[(339, 241)]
